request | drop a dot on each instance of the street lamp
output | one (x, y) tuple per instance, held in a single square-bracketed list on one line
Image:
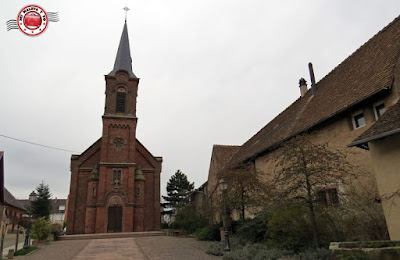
[(223, 185), (32, 198)]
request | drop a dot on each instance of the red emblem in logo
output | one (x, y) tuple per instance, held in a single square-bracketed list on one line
[(32, 20)]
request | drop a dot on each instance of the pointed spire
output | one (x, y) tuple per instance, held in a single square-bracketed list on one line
[(123, 61)]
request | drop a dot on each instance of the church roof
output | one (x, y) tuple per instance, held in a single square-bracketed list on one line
[(123, 61), (368, 71)]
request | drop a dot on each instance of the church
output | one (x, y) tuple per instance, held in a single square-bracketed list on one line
[(115, 183)]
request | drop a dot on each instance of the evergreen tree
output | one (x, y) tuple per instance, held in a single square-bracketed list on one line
[(41, 207), (178, 189)]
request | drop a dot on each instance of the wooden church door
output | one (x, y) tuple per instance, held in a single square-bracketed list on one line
[(114, 219)]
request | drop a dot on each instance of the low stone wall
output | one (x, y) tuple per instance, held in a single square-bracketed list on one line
[(372, 250)]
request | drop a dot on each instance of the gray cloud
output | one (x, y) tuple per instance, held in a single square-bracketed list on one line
[(211, 72)]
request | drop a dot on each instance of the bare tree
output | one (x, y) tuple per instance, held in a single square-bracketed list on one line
[(245, 188), (304, 168)]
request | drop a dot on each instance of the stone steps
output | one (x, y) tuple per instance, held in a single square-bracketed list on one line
[(112, 235)]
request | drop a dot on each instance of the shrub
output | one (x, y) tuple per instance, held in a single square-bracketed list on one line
[(40, 229), (187, 220), (253, 230), (289, 228), (208, 233), (164, 225), (217, 248), (312, 254), (56, 230), (256, 252)]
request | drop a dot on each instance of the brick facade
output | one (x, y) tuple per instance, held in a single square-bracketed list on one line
[(117, 171)]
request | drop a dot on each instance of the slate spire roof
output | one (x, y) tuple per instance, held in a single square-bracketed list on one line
[(123, 61)]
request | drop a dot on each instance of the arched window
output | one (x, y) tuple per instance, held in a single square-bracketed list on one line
[(121, 96)]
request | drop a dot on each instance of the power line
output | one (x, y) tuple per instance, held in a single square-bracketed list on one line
[(41, 145)]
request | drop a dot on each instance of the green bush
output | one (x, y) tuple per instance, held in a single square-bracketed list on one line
[(208, 233), (253, 230), (256, 252), (56, 230), (312, 254), (217, 248), (289, 228), (40, 229), (187, 220), (164, 225)]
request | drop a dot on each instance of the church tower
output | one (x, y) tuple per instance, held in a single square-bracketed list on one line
[(115, 183)]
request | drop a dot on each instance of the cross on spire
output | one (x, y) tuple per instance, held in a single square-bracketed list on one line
[(126, 11)]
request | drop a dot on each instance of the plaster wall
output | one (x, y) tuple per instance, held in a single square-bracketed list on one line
[(385, 156)]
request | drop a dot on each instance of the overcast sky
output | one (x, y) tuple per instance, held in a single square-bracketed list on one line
[(212, 72)]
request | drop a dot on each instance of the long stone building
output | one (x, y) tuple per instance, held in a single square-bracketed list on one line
[(335, 110), (115, 183)]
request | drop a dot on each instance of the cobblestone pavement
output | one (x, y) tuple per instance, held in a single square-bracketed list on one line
[(60, 250), (174, 248), (138, 248)]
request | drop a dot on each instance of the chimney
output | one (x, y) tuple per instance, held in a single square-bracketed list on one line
[(313, 85), (303, 87)]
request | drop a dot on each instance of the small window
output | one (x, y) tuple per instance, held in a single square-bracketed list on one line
[(61, 207), (328, 196), (379, 110), (137, 191), (121, 95), (333, 196), (359, 120), (94, 193)]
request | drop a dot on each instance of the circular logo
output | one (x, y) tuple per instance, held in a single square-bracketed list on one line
[(32, 20)]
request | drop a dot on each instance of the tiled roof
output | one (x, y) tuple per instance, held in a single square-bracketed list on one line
[(366, 72), (11, 200), (55, 203), (223, 153), (387, 125)]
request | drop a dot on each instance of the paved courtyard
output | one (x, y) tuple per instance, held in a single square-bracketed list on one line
[(138, 248)]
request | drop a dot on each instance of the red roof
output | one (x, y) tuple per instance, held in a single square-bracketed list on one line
[(368, 71)]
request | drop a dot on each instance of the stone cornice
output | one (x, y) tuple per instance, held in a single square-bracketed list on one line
[(117, 164)]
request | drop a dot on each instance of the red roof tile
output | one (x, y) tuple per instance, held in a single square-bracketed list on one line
[(369, 70)]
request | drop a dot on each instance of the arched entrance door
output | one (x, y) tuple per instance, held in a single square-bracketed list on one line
[(114, 218)]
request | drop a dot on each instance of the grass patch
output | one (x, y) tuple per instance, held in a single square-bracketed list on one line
[(25, 251)]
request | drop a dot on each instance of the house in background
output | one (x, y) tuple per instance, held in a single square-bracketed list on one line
[(13, 211), (383, 142), (58, 211), (335, 110), (57, 214)]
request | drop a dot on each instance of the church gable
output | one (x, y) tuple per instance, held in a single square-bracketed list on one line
[(144, 158), (91, 156)]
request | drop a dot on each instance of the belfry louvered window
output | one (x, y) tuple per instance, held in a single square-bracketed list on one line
[(121, 96)]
